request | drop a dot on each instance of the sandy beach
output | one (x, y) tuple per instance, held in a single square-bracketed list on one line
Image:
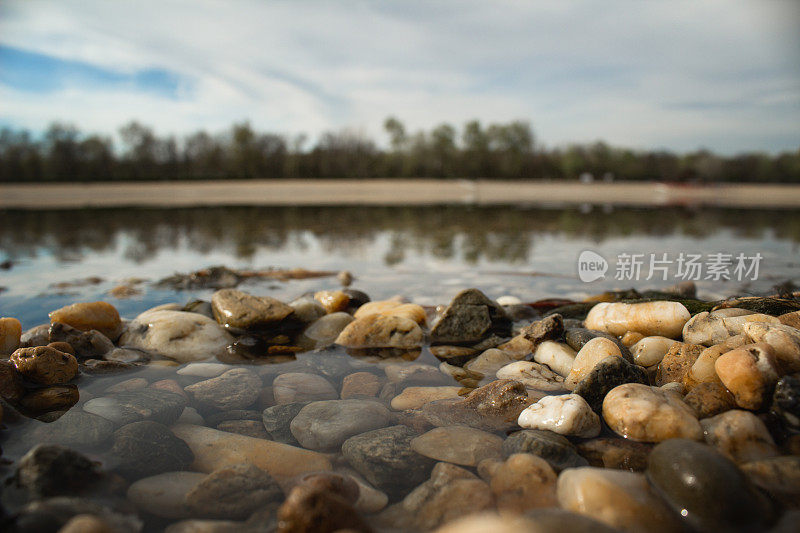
[(388, 192)]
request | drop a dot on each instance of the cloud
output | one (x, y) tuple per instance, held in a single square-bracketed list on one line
[(680, 75)]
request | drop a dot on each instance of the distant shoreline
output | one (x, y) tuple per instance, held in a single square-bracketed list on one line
[(390, 192)]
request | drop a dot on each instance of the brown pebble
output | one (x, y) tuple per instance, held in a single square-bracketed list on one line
[(361, 384), (101, 316), (677, 363), (709, 399), (45, 365), (11, 387), (63, 347), (86, 523)]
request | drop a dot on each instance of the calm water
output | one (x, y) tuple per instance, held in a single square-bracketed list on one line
[(427, 254)]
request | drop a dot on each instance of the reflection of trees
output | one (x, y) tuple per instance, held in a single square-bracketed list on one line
[(500, 233)]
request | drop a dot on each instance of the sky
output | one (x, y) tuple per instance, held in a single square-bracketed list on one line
[(678, 75)]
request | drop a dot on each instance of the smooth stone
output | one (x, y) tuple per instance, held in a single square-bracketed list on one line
[(568, 414), (469, 318), (523, 482), (325, 425), (393, 308), (83, 344), (277, 419), (715, 327), (53, 470), (609, 373), (143, 404), (495, 406), (204, 370), (617, 498), (76, 428), (709, 399), (146, 448), (651, 350), (333, 301), (370, 500), (533, 375), (489, 362), (164, 495), (385, 458), (249, 428), (86, 523), (53, 514), (739, 435), (361, 385), (460, 445), (662, 318), (649, 414), (169, 385), (413, 373), (101, 316), (233, 492), (45, 365), (178, 335), (309, 508), (750, 373), (705, 488), (326, 329), (237, 309), (784, 341), (190, 416), (677, 363), (127, 385), (455, 355), (786, 400), (616, 453), (379, 331), (577, 337), (559, 452), (10, 333), (592, 353), (558, 356), (534, 521), (215, 449), (631, 338), (416, 397), (36, 336), (235, 389), (294, 387), (11, 387), (702, 370), (778, 476), (307, 309), (53, 398)]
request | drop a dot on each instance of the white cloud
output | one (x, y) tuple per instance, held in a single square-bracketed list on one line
[(683, 74)]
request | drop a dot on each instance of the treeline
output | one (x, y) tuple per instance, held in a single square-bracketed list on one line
[(501, 151)]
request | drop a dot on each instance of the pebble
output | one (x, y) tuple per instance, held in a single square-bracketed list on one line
[(705, 488), (294, 387), (651, 350), (249, 428), (631, 338), (379, 331), (233, 492), (739, 435), (36, 336), (559, 452), (616, 453), (146, 448), (709, 399), (558, 356), (489, 362), (127, 355), (325, 425), (750, 373), (84, 344), (568, 414), (650, 318), (178, 335), (361, 385), (215, 449), (309, 509), (649, 414), (702, 370), (51, 470), (76, 428), (677, 363), (786, 400), (784, 341), (143, 404), (533, 375), (324, 331), (10, 333), (307, 309), (393, 308), (609, 373), (237, 309), (577, 337), (164, 495), (590, 355), (45, 365), (203, 370), (11, 387), (332, 301), (54, 398), (277, 419), (101, 316), (370, 500), (385, 458), (235, 389), (460, 445), (455, 355), (523, 482), (469, 318), (416, 397), (778, 476), (617, 498), (535, 521), (417, 373), (86, 523)]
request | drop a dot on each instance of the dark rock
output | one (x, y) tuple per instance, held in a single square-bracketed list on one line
[(45, 365), (385, 458), (36, 336), (217, 277), (574, 310), (87, 344), (767, 306), (52, 470), (143, 449), (786, 400), (248, 428), (235, 389), (200, 307), (577, 337), (469, 318), (357, 299), (236, 309), (11, 387), (309, 509), (607, 374), (493, 407), (454, 355), (234, 492), (143, 404), (549, 328), (709, 399), (552, 447), (52, 514), (101, 367), (621, 454), (76, 428), (706, 489), (55, 398), (277, 420)]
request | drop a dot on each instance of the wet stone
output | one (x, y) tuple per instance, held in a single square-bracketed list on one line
[(248, 428), (324, 331), (55, 398), (294, 387), (235, 389), (650, 351), (145, 404), (454, 355), (10, 333), (556, 355), (332, 301), (559, 452), (234, 492), (619, 454), (312, 509), (164, 495), (459, 445), (236, 414), (662, 318), (325, 425), (127, 355), (784, 341), (11, 387), (549, 328), (709, 399), (52, 470), (236, 309), (36, 336), (101, 316), (605, 376), (778, 476), (416, 397), (705, 488), (533, 375), (379, 331), (45, 365), (739, 435), (385, 458), (361, 384), (53, 514), (523, 482), (576, 338), (277, 420), (76, 428), (677, 362), (750, 373), (534, 521), (489, 362), (568, 414), (143, 449), (204, 370), (470, 317), (786, 400), (592, 353), (307, 310), (393, 308), (85, 344)]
